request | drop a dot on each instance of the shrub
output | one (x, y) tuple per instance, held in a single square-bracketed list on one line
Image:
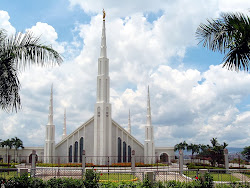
[(91, 178), (64, 182), (207, 181)]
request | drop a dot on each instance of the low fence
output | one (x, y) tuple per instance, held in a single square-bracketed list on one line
[(219, 176)]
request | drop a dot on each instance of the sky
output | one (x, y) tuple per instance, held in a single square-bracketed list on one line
[(149, 43)]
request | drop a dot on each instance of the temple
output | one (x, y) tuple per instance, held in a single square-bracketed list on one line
[(102, 139)]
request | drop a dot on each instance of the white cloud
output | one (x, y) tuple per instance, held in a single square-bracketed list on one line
[(47, 35), (186, 104), (5, 24)]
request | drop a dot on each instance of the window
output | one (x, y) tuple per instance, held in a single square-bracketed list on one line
[(119, 150), (124, 152), (70, 154), (129, 154), (81, 148), (76, 152)]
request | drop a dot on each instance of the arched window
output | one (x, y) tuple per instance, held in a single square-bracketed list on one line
[(124, 152), (81, 148), (129, 154), (70, 153), (119, 150), (76, 152)]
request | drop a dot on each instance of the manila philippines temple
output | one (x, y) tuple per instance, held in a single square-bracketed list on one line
[(100, 136)]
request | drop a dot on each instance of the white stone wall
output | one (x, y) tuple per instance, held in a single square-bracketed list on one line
[(87, 132), (168, 150), (23, 154), (119, 131)]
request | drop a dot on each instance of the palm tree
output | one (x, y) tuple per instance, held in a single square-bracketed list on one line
[(8, 144), (194, 149), (16, 52), (17, 143), (180, 146), (230, 35)]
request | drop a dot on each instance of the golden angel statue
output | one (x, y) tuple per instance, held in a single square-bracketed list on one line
[(104, 14)]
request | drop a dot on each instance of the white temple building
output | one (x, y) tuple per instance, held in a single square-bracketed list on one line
[(103, 139)]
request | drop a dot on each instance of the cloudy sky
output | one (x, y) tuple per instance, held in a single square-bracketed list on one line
[(149, 43)]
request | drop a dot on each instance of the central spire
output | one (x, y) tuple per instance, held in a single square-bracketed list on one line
[(103, 87), (102, 118)]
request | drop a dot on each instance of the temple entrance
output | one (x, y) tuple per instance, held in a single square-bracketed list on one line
[(164, 158), (30, 158)]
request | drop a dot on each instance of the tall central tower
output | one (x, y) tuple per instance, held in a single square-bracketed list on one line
[(49, 147), (102, 116)]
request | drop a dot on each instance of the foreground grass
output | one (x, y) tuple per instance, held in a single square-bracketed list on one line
[(116, 177), (8, 175), (216, 176)]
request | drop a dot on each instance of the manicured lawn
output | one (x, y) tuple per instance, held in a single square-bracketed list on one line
[(216, 176), (116, 177), (8, 175), (224, 177)]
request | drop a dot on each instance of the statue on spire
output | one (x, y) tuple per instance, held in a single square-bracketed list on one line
[(104, 14)]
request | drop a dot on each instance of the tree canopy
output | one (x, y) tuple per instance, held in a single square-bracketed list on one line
[(17, 52), (229, 34)]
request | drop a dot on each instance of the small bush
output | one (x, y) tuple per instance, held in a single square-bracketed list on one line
[(91, 178)]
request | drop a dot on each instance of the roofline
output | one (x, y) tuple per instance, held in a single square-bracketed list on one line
[(71, 134), (131, 136)]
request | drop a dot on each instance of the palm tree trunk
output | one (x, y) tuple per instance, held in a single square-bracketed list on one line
[(14, 155)]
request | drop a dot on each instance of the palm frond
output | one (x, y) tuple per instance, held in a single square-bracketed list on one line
[(229, 34), (16, 53), (28, 50)]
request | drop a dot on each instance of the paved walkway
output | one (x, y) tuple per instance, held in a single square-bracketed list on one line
[(241, 176)]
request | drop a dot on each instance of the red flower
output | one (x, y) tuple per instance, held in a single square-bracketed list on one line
[(196, 177), (94, 169), (101, 174)]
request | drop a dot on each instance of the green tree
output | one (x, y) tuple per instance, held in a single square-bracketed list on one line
[(214, 152), (180, 146), (229, 34), (194, 148), (16, 53), (17, 143), (8, 145), (246, 152)]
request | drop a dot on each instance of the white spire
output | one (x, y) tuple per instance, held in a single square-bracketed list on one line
[(103, 43), (129, 122), (149, 147), (148, 110), (64, 127), (50, 116)]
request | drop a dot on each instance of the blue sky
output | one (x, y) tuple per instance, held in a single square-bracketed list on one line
[(149, 43)]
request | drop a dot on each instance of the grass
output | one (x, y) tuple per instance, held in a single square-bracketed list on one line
[(224, 177), (8, 175), (216, 176), (117, 177)]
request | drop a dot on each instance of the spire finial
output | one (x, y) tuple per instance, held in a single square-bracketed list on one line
[(104, 14), (148, 110), (129, 122), (103, 43), (50, 118), (64, 127)]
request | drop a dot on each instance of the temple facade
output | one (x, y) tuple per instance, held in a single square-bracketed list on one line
[(102, 139)]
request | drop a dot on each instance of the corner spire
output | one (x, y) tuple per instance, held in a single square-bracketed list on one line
[(103, 43), (50, 116), (148, 110), (129, 122), (64, 126)]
